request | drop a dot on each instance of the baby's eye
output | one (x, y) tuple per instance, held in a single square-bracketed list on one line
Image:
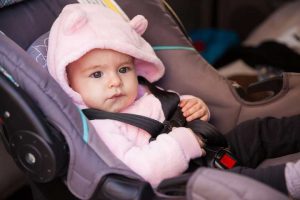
[(97, 74), (123, 70)]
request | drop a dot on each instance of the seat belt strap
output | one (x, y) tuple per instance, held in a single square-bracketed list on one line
[(169, 100), (150, 125)]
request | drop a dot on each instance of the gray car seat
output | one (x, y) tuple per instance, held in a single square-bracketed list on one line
[(43, 130)]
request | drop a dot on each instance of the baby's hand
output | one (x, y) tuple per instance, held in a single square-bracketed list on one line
[(194, 108)]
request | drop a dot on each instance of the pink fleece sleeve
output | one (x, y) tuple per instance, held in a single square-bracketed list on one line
[(187, 142), (165, 157)]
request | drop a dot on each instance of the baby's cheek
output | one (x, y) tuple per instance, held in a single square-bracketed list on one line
[(94, 102)]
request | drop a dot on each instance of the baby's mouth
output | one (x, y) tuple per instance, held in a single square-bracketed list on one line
[(115, 96)]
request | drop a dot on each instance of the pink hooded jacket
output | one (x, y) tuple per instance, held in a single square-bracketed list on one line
[(83, 27)]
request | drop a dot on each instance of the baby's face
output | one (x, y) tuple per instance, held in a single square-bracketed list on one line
[(105, 79)]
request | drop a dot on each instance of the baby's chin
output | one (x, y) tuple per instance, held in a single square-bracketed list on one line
[(117, 106), (121, 108), (116, 109)]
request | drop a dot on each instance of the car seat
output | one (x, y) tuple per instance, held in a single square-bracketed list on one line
[(43, 130), (281, 26)]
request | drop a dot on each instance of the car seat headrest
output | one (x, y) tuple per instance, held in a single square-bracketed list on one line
[(8, 2), (38, 50)]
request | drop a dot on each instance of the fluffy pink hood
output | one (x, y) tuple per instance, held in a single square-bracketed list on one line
[(83, 27)]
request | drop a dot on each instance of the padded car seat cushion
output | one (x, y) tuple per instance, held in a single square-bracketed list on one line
[(4, 3), (59, 110), (38, 49)]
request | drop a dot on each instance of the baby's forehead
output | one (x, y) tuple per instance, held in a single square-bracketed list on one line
[(100, 60), (109, 52), (105, 56)]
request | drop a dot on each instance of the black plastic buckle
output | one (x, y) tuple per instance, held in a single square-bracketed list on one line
[(169, 125), (224, 159)]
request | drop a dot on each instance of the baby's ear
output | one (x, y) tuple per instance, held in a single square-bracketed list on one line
[(74, 21), (139, 23)]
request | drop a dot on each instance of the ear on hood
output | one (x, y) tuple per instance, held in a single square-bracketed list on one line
[(139, 23), (74, 21)]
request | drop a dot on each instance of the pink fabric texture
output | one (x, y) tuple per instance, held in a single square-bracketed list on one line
[(83, 27), (80, 28)]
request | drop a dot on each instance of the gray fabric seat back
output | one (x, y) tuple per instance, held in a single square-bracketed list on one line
[(188, 73), (60, 112)]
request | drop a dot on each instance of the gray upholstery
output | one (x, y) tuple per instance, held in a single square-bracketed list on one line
[(38, 50), (24, 22), (275, 161), (212, 184), (4, 3), (59, 110), (12, 178), (28, 28), (188, 73)]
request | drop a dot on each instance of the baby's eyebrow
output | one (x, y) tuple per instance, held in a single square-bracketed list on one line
[(127, 61), (92, 68)]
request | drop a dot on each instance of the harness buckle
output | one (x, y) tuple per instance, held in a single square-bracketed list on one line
[(167, 126), (224, 159)]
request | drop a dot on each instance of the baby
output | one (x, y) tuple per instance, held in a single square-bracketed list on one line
[(96, 56)]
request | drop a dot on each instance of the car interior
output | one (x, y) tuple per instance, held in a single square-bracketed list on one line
[(235, 46)]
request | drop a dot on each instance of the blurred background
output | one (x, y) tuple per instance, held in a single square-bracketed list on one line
[(247, 40)]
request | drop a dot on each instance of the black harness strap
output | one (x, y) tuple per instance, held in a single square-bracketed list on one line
[(150, 125), (169, 100), (175, 118)]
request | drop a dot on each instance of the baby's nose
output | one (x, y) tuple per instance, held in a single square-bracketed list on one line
[(115, 81)]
